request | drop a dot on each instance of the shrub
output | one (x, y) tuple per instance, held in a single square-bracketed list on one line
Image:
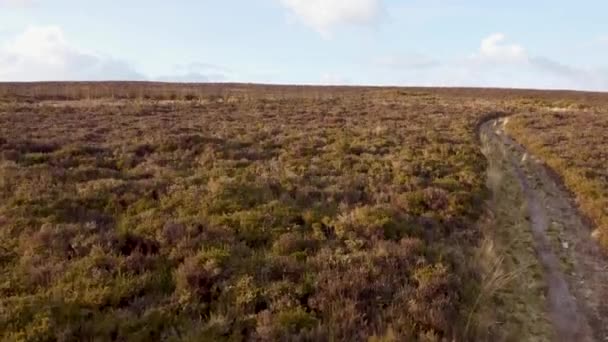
[(236, 212), (290, 243), (197, 276)]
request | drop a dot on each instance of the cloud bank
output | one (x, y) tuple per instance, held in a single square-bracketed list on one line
[(497, 62), (43, 53)]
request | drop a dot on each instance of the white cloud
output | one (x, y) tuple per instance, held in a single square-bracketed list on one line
[(324, 15), (43, 53), (512, 61), (494, 49)]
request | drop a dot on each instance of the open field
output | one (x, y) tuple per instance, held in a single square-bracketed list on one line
[(133, 211)]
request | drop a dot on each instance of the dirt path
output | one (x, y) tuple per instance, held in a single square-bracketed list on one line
[(574, 268)]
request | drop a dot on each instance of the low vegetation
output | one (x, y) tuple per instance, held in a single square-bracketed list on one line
[(572, 140), (172, 212)]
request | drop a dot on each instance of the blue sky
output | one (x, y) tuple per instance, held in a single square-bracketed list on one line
[(538, 44)]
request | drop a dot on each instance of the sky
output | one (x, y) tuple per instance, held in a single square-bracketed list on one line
[(555, 44)]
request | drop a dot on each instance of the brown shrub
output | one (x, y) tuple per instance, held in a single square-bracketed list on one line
[(290, 243), (197, 277), (172, 233)]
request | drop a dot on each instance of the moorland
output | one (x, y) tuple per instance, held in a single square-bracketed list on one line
[(143, 211)]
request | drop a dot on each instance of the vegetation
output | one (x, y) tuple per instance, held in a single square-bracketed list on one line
[(229, 212), (571, 139)]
